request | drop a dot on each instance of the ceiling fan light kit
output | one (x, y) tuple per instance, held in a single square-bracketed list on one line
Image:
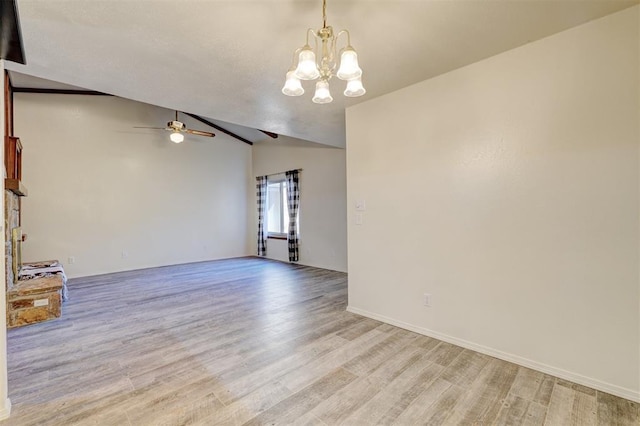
[(177, 128), (306, 65), (176, 137)]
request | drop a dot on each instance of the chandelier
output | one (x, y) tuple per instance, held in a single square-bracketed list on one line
[(320, 63)]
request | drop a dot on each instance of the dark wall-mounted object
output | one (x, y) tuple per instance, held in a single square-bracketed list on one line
[(11, 48)]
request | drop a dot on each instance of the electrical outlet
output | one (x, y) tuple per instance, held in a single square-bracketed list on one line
[(71, 260), (426, 299), (125, 254)]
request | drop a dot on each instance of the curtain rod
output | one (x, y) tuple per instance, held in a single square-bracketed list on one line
[(281, 173)]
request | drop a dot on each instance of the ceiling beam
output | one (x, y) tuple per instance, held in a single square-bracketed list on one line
[(95, 93), (58, 91), (270, 134), (11, 47), (215, 126)]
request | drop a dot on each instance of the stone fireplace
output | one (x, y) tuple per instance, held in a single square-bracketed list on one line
[(34, 290), (12, 238)]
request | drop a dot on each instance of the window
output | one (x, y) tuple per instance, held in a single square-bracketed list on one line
[(277, 210)]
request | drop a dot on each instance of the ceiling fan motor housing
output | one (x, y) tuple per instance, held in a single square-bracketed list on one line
[(175, 124)]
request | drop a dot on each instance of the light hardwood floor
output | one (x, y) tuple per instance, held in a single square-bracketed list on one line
[(251, 341)]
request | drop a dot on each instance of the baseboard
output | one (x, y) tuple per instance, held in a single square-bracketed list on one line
[(5, 411), (534, 365)]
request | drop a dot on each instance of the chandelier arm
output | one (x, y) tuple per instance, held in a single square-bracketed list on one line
[(313, 33), (317, 49), (294, 60), (332, 55), (348, 36)]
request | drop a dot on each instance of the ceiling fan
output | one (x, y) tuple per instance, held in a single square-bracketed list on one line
[(177, 129)]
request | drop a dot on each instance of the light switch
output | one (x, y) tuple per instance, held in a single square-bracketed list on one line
[(358, 219)]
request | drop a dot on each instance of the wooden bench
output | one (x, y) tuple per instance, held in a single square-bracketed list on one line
[(35, 300)]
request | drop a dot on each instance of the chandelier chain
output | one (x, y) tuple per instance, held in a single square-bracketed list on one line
[(324, 13)]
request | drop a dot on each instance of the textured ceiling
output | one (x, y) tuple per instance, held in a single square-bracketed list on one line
[(227, 59)]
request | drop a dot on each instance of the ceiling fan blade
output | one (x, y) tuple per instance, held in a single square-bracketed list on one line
[(154, 128), (200, 133)]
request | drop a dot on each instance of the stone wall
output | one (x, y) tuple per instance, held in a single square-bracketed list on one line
[(11, 220)]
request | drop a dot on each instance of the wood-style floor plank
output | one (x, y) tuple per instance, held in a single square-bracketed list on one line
[(301, 403), (617, 411), (513, 410), (464, 369), (398, 375), (482, 400), (252, 341)]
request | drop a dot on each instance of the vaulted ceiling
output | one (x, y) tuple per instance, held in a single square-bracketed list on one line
[(226, 60)]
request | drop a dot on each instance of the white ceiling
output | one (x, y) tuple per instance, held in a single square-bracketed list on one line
[(226, 60)]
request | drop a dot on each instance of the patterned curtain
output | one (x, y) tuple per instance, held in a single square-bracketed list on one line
[(261, 187), (293, 200)]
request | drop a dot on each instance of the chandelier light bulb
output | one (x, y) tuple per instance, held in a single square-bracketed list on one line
[(322, 96), (354, 88), (292, 85), (307, 68), (349, 68), (176, 137)]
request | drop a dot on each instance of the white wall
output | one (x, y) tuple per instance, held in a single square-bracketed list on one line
[(98, 187), (5, 403), (508, 190), (323, 221)]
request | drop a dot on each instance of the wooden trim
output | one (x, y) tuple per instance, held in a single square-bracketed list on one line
[(58, 91), (11, 47), (8, 105), (15, 186), (215, 126), (13, 157)]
